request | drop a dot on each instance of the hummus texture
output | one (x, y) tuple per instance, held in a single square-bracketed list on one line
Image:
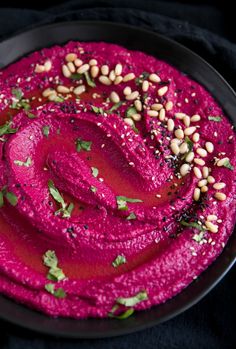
[(117, 180)]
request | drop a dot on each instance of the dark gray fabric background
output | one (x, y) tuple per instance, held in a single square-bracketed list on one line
[(204, 28)]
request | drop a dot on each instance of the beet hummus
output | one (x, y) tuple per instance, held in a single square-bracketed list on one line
[(117, 181)]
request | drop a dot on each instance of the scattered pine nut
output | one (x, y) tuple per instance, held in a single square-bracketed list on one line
[(219, 185), (80, 89), (128, 77), (220, 196), (184, 169), (213, 228), (196, 194), (85, 67), (94, 71), (104, 69), (71, 57), (162, 91), (154, 77), (104, 80)]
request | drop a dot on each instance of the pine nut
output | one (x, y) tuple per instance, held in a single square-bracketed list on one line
[(220, 196), (196, 137), (209, 147), (175, 148), (176, 140), (118, 80), (104, 80), (154, 77), (114, 97), (170, 125), (71, 67), (118, 69), (179, 133), (183, 148), (202, 152), (94, 71), (186, 120), (204, 189), (195, 118), (205, 171), (128, 77), (199, 162), (52, 96), (145, 86), (162, 114), (152, 113), (210, 179), (202, 182), (78, 62), (212, 217), (93, 62), (219, 185), (213, 228), (80, 89), (169, 106), (48, 92), (63, 89), (189, 157), (112, 75), (184, 169), (104, 69), (196, 194), (65, 71), (81, 70), (136, 117), (180, 116), (71, 57), (127, 91), (197, 172), (132, 96), (221, 162), (138, 105), (129, 121), (39, 68), (156, 106), (189, 130), (47, 65), (162, 91)]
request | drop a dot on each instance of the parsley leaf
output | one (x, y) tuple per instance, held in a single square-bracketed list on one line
[(6, 129), (27, 163), (189, 142), (89, 80), (11, 198), (97, 110), (131, 216), (83, 145), (118, 261), (130, 111), (143, 76), (17, 92), (65, 209), (93, 189), (198, 237), (131, 301), (192, 225), (46, 130), (1, 199), (94, 171), (115, 106), (228, 165), (59, 292), (215, 118), (127, 313), (50, 260), (122, 202)]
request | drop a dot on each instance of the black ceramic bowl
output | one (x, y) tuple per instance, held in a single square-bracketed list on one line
[(189, 63)]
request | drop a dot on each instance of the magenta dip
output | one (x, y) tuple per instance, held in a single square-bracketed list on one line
[(116, 181)]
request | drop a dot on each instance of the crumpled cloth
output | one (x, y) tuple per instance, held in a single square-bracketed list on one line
[(210, 323)]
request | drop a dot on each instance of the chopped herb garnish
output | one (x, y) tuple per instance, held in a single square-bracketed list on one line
[(19, 102), (131, 301), (118, 261), (127, 313), (27, 163), (17, 92), (31, 115), (83, 145), (130, 111), (59, 99), (198, 237), (94, 171), (11, 198), (50, 260), (189, 142), (215, 118), (93, 189), (97, 110), (131, 216), (143, 76), (89, 80), (65, 209), (192, 225), (1, 199), (46, 130), (59, 292), (115, 106), (76, 76), (228, 165), (6, 129), (122, 202)]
